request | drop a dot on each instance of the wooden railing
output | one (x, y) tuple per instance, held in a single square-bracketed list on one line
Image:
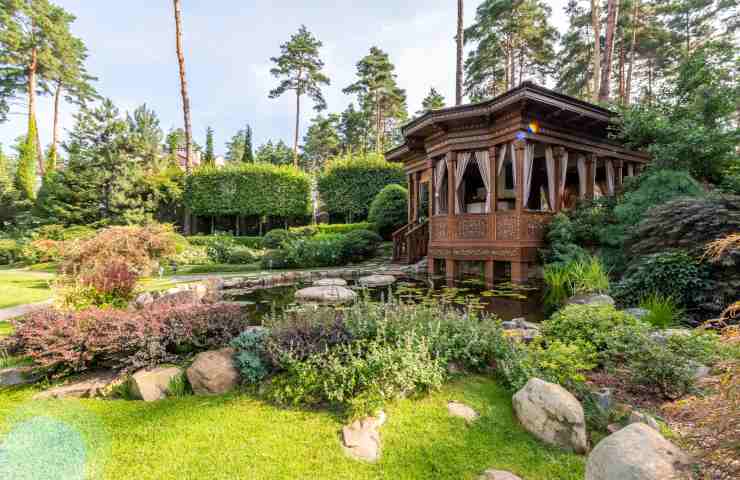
[(411, 242)]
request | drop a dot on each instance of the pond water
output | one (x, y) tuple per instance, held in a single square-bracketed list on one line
[(505, 300)]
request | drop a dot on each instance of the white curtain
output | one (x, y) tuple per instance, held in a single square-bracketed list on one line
[(484, 167), (502, 158), (582, 171), (513, 163), (550, 164), (563, 174), (630, 170), (462, 165), (527, 176), (610, 177), (439, 178)]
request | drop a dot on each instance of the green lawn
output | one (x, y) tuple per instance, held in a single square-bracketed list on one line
[(19, 287), (237, 436)]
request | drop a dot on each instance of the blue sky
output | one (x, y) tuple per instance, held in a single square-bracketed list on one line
[(228, 44)]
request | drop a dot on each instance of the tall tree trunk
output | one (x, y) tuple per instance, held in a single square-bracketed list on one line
[(635, 25), (606, 70), (297, 126), (621, 72), (596, 60), (32, 70), (378, 126), (460, 43), (55, 130), (185, 103)]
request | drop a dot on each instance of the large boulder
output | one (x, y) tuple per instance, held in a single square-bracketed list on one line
[(92, 385), (361, 438), (151, 385), (636, 452), (325, 295), (213, 372), (11, 377), (377, 280), (330, 282), (590, 299), (552, 414), (457, 409)]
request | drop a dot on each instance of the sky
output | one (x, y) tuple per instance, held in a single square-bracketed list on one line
[(228, 45)]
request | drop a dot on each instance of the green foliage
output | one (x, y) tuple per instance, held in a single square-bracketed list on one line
[(673, 274), (433, 101), (389, 209), (179, 386), (248, 189), (586, 325), (360, 244), (659, 369), (249, 355), (275, 238), (209, 158), (274, 153), (321, 142), (563, 363), (239, 255), (334, 228), (698, 345), (275, 259), (320, 251), (25, 173), (663, 311), (576, 277), (254, 243), (10, 251), (562, 240), (350, 183)]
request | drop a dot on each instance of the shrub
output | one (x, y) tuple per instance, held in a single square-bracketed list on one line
[(275, 238), (700, 346), (662, 311), (193, 255), (672, 274), (249, 355), (659, 369), (563, 363), (248, 190), (318, 251), (109, 285), (389, 209), (275, 259), (66, 342), (586, 324), (574, 278), (343, 228), (239, 255), (9, 252), (360, 244), (348, 185), (42, 251), (562, 242)]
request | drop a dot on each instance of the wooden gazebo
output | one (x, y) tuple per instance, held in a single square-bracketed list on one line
[(484, 179)]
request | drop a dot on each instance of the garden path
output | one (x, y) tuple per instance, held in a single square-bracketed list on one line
[(12, 312)]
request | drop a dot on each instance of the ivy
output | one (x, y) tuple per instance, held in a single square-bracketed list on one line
[(248, 189), (349, 184)]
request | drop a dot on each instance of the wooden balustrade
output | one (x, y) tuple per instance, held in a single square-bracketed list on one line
[(411, 243)]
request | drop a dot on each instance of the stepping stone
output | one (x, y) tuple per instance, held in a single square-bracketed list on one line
[(326, 295), (330, 282), (11, 377), (89, 386), (377, 280), (461, 410), (498, 475), (361, 438)]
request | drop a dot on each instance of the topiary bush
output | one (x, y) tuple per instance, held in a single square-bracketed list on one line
[(389, 209), (275, 238), (360, 244), (349, 184)]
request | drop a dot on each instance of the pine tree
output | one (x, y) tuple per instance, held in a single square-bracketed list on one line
[(379, 94), (25, 175), (248, 156), (275, 153), (300, 68), (574, 65), (354, 130), (321, 142), (433, 101), (210, 157)]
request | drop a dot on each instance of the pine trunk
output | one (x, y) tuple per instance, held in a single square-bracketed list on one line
[(621, 72), (185, 103), (606, 71), (32, 70), (55, 130), (596, 59), (635, 24), (460, 43), (297, 126)]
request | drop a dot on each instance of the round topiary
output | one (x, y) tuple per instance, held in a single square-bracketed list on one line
[(275, 238), (389, 209), (360, 244)]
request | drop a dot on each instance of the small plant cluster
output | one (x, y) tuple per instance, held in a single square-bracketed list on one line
[(334, 228), (319, 250), (370, 353), (62, 342), (576, 277)]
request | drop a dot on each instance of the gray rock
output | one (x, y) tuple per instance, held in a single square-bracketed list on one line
[(603, 399), (11, 377), (639, 417), (457, 409), (377, 280), (636, 452), (326, 295), (699, 370), (144, 299), (213, 372), (590, 299), (552, 414), (91, 385), (361, 439), (154, 384), (662, 336), (330, 282), (638, 313), (498, 475)]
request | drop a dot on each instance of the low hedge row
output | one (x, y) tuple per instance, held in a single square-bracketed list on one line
[(209, 240), (341, 228)]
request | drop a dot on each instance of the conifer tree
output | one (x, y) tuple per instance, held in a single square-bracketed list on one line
[(25, 175), (248, 156), (433, 101), (210, 157)]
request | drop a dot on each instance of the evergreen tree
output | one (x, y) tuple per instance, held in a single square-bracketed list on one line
[(8, 193), (25, 174), (514, 41), (235, 147), (277, 154), (354, 130), (299, 67), (248, 156), (574, 61), (210, 157), (433, 101), (380, 96), (146, 136), (321, 142)]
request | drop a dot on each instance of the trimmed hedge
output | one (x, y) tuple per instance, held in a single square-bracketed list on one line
[(389, 210), (248, 189), (209, 240), (348, 185), (337, 228)]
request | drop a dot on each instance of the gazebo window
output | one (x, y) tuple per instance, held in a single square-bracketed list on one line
[(440, 186), (472, 183), (506, 178)]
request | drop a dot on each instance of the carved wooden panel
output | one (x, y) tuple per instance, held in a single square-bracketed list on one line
[(536, 227), (507, 227), (484, 252), (439, 229), (472, 228)]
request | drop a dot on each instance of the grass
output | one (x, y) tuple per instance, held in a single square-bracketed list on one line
[(663, 311), (237, 436), (19, 287), (574, 278), (215, 268)]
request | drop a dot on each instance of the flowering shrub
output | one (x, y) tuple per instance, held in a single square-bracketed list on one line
[(66, 342), (42, 251)]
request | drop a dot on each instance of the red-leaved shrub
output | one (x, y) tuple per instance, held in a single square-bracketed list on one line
[(65, 342), (114, 278)]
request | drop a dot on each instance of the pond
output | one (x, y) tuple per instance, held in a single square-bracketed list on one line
[(505, 300)]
